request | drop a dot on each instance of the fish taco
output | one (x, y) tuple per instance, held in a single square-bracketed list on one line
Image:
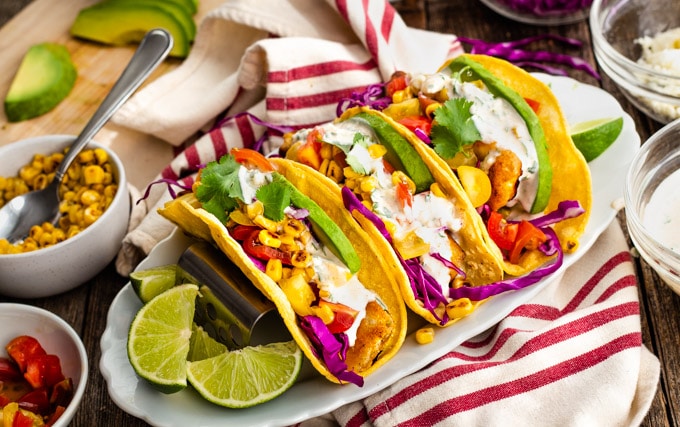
[(415, 209), (502, 133), (335, 292)]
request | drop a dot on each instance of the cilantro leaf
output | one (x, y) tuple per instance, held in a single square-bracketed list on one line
[(220, 188), (453, 128), (275, 197)]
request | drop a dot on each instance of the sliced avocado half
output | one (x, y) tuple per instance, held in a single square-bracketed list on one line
[(400, 153), (179, 11), (123, 23), (45, 77), (471, 71), (326, 230)]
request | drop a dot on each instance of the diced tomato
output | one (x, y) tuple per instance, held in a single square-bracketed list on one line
[(502, 232), (43, 371), (22, 348), (263, 252), (528, 237), (21, 420), (246, 156), (344, 316), (241, 232), (35, 401), (9, 371), (58, 411), (396, 83), (535, 105), (417, 122), (404, 195)]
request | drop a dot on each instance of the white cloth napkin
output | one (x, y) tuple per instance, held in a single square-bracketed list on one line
[(572, 356)]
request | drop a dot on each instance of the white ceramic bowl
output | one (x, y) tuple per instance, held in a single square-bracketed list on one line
[(57, 337), (68, 264), (615, 27), (652, 199), (541, 12)]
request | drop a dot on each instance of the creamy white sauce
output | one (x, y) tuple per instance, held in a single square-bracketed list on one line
[(498, 121), (661, 53), (342, 286), (662, 213), (251, 180)]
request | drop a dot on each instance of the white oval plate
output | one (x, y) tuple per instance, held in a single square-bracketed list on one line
[(315, 395)]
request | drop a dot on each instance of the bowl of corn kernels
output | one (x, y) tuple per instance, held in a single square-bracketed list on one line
[(94, 214)]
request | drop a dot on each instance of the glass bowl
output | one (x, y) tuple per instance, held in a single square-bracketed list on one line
[(541, 12), (618, 27), (652, 200)]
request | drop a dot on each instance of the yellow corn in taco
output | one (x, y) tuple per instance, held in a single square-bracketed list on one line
[(335, 292), (483, 114), (415, 210)]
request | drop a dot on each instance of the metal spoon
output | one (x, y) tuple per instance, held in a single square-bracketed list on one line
[(36, 207)]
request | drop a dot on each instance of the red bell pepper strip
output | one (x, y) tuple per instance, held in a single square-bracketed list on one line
[(417, 122), (246, 156), (21, 420), (255, 249), (528, 237), (396, 83), (242, 232)]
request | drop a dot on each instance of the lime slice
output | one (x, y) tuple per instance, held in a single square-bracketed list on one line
[(247, 377), (158, 339), (202, 345), (153, 281), (593, 137)]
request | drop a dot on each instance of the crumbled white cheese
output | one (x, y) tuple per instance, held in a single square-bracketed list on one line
[(661, 53)]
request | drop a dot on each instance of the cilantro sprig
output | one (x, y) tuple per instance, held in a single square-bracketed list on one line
[(453, 128), (220, 191)]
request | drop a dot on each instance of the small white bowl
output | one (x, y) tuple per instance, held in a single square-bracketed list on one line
[(68, 264), (616, 25), (652, 200), (57, 337)]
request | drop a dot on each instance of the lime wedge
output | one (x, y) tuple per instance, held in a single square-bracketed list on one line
[(158, 339), (247, 377), (153, 281), (202, 345), (593, 137)]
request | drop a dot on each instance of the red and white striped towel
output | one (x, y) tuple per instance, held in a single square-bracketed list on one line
[(572, 356)]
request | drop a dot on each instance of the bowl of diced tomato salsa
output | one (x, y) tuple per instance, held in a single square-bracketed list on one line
[(43, 367)]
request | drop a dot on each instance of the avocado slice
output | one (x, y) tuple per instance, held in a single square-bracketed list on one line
[(400, 153), (45, 77), (122, 23), (180, 11), (325, 229), (471, 71)]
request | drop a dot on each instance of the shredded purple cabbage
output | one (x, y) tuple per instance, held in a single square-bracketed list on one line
[(373, 96), (330, 348), (422, 136), (565, 210), (479, 293), (297, 213), (547, 7), (170, 183), (449, 264), (520, 57), (257, 146)]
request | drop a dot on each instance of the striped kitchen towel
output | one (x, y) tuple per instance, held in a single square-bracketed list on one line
[(286, 63), (572, 356)]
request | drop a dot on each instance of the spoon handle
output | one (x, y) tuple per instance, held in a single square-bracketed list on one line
[(152, 50)]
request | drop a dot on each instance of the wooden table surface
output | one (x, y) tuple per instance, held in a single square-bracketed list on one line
[(85, 308)]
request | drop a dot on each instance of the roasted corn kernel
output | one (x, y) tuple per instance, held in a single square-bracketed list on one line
[(459, 308), (425, 335), (274, 269)]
